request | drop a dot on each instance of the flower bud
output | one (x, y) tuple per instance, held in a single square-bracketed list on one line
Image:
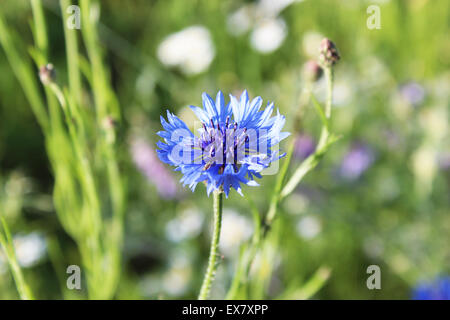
[(109, 123), (47, 73), (328, 53), (312, 71)]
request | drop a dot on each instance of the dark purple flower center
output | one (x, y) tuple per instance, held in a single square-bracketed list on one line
[(223, 143)]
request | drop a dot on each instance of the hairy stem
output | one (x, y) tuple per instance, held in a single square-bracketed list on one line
[(212, 265)]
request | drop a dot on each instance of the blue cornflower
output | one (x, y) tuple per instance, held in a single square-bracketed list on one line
[(436, 290), (235, 142)]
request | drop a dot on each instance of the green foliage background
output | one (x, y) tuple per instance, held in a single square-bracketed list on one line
[(396, 215)]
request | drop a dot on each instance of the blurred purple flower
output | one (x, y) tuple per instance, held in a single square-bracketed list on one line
[(304, 146), (412, 92), (444, 160), (148, 163), (356, 161)]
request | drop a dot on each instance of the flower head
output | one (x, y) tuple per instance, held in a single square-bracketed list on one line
[(328, 53), (234, 143)]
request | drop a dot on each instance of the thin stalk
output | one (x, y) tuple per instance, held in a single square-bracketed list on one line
[(234, 288), (276, 196), (213, 253), (324, 142), (24, 72), (279, 184), (41, 58), (7, 244), (72, 54), (40, 29), (329, 75), (99, 76)]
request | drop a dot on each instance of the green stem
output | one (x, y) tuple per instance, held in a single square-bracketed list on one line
[(40, 29), (329, 76), (24, 72), (7, 243), (72, 54), (322, 146), (303, 101), (212, 265), (279, 184)]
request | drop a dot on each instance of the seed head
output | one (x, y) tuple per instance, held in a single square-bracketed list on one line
[(328, 53), (47, 73), (312, 71), (109, 122)]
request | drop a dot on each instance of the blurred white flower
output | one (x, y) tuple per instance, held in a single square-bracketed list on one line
[(190, 49), (296, 203), (186, 225), (175, 280), (373, 247), (308, 227), (374, 72), (17, 185), (424, 166), (274, 7), (342, 93), (240, 21), (29, 248), (268, 35), (235, 230), (172, 281), (2, 262), (268, 30), (311, 43), (439, 87), (434, 122), (247, 16), (378, 1)]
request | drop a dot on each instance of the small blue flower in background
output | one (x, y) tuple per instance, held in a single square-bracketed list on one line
[(234, 143), (436, 290)]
